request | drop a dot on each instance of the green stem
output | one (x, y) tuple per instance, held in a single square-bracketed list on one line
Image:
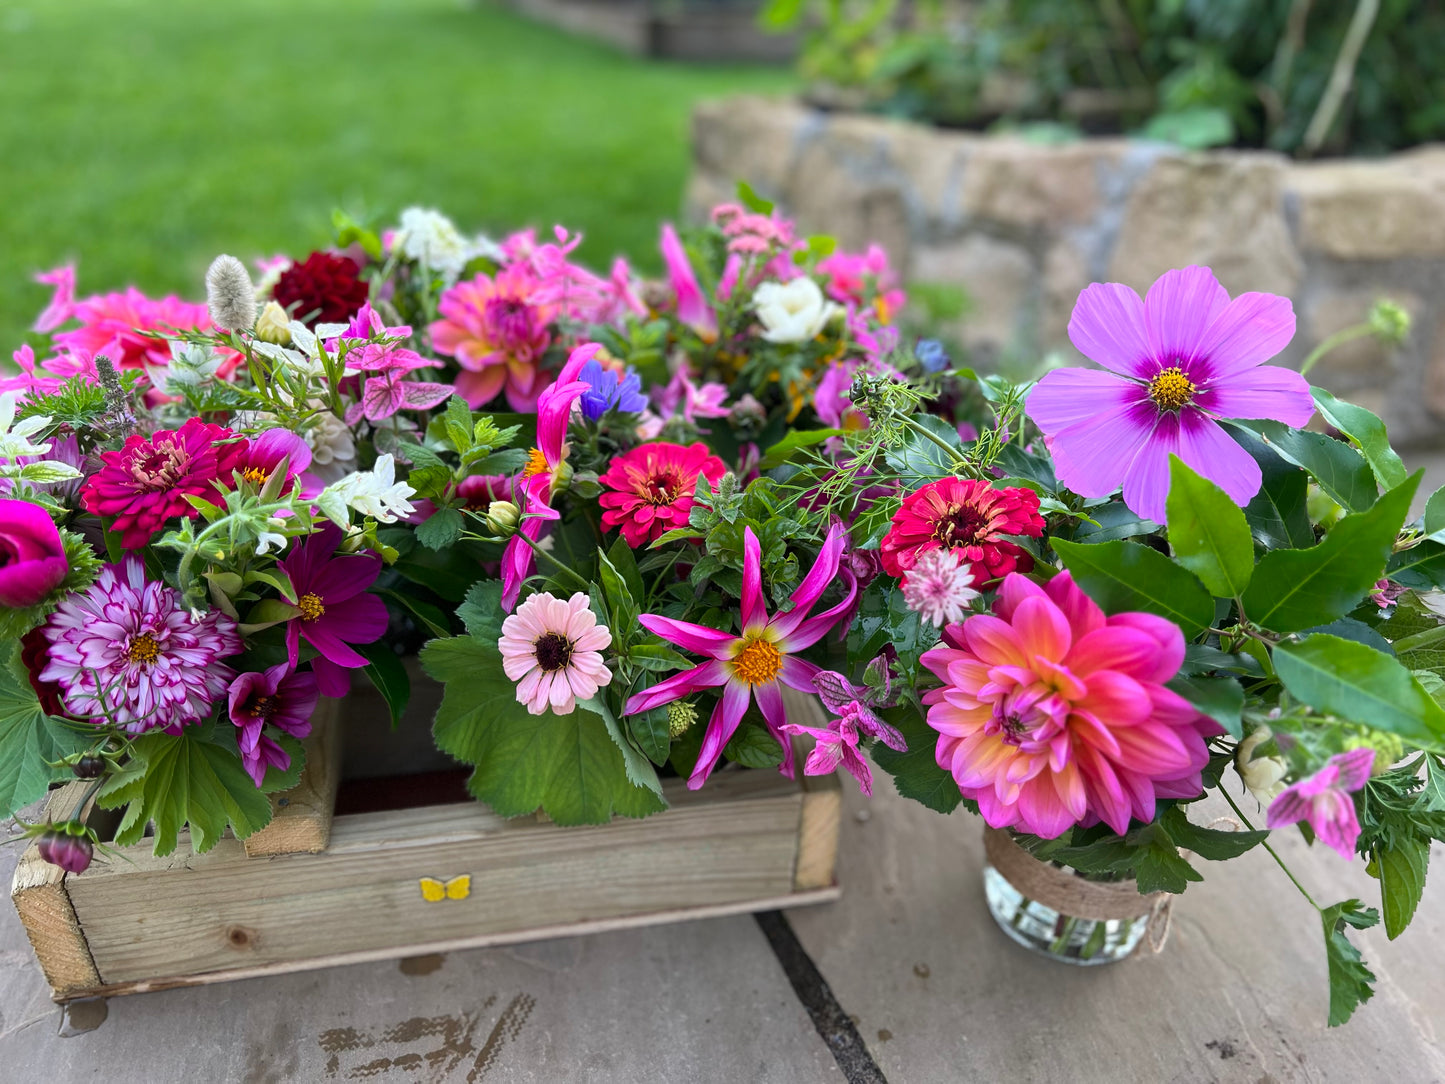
[(1272, 853), (540, 552), (1339, 338), (90, 792), (958, 460)]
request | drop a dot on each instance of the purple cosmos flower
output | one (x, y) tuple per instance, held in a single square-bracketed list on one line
[(610, 390), (754, 662), (1177, 361), (278, 697), (1324, 799)]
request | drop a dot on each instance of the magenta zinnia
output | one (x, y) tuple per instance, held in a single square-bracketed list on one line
[(129, 652), (1177, 361), (966, 516), (1052, 714), (754, 662), (650, 488), (553, 651)]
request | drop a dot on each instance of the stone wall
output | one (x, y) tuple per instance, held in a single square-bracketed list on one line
[(1023, 227)]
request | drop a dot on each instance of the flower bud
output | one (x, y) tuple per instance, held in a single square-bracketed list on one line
[(1264, 776), (273, 325), (502, 517), (71, 853), (680, 717), (1389, 322), (230, 297), (89, 766)]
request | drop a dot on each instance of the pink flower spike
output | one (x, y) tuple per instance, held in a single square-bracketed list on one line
[(62, 303), (692, 307), (1326, 801)]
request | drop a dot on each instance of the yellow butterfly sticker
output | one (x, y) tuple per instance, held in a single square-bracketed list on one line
[(434, 891)]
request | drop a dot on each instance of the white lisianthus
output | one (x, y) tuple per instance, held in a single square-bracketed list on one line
[(793, 312), (1264, 776), (374, 493)]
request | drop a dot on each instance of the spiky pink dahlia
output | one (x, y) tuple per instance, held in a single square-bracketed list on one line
[(146, 483), (553, 651), (1053, 715), (128, 651)]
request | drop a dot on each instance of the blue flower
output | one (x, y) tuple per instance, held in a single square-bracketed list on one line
[(608, 393), (932, 356)]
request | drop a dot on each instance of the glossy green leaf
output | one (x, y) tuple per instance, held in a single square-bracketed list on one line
[(1278, 515), (1208, 532), (1366, 430), (1401, 870), (1208, 843), (1435, 515), (1112, 522), (915, 771), (1126, 576), (385, 669), (1220, 698), (1421, 567), (1338, 468)]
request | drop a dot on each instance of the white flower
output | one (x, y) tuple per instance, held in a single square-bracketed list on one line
[(191, 365), (793, 312), (271, 539), (374, 493), (433, 240), (1264, 776), (15, 438), (273, 325), (939, 587)]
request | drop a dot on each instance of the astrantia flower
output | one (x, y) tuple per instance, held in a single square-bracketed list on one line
[(323, 288), (968, 516), (279, 697), (651, 487), (613, 387), (146, 483), (497, 331), (1177, 361), (754, 662), (939, 587), (1326, 800), (128, 651), (1052, 714), (553, 651)]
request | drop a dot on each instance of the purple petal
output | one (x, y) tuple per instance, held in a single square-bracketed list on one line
[(876, 727), (798, 635), (753, 611), (1093, 457), (709, 675), (1354, 768), (720, 729), (331, 680), (775, 714), (1335, 823), (380, 398), (1249, 331), (1107, 327), (1146, 478), (695, 638), (1067, 397), (858, 769), (1290, 807), (834, 690), (1211, 454), (1268, 391), (1178, 309), (799, 673)]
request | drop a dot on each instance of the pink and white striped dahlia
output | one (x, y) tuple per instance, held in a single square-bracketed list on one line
[(129, 652)]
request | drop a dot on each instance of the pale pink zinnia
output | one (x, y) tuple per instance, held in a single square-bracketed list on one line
[(553, 651), (1053, 715), (1326, 800), (939, 587)]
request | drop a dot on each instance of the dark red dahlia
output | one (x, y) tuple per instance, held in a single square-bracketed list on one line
[(146, 483), (34, 654), (323, 288), (968, 516)]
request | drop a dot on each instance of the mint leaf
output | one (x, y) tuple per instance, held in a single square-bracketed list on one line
[(1208, 843), (1158, 865), (440, 530)]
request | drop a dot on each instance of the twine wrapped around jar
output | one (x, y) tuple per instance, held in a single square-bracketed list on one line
[(1062, 891)]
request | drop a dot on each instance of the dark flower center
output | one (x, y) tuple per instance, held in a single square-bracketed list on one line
[(661, 488), (554, 651), (263, 707), (963, 524)]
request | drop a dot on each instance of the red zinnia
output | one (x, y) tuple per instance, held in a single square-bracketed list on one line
[(968, 516), (652, 488), (146, 483), (323, 288)]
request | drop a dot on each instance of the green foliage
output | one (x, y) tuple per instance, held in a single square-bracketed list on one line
[(1220, 698), (30, 740), (388, 675), (1367, 432), (1123, 576), (1338, 468), (915, 772), (1350, 979), (1208, 532)]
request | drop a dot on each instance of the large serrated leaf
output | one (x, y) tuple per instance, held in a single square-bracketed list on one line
[(29, 738)]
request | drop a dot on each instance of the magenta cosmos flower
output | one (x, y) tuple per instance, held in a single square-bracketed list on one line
[(1052, 714), (751, 663), (1326, 800), (127, 651), (1177, 362), (32, 557), (279, 697), (335, 612), (553, 650)]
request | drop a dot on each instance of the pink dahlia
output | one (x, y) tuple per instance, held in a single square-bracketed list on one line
[(1053, 715), (1177, 361), (115, 325), (650, 488), (497, 330), (62, 302), (280, 697), (553, 651), (146, 483), (128, 651), (1326, 800), (968, 516)]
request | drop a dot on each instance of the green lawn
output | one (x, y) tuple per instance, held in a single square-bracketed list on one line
[(141, 137)]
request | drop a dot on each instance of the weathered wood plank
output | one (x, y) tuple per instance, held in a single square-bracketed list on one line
[(301, 817), (818, 819)]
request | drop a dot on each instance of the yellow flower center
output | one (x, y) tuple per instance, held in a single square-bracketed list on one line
[(310, 606), (758, 663), (1171, 389), (536, 463), (143, 649), (255, 475)]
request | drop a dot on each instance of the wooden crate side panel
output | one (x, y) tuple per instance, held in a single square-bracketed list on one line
[(301, 817), (820, 815), (221, 911)]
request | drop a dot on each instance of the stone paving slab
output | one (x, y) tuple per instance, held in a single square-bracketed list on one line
[(703, 1001), (1238, 994)]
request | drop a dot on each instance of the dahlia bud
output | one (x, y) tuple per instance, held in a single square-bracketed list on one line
[(273, 325), (680, 717), (1389, 322), (502, 517), (1264, 776), (1389, 748), (67, 846), (230, 297)]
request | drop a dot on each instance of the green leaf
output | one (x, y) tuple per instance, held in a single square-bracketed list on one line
[(622, 608), (1435, 515), (29, 738), (1340, 470), (566, 765), (922, 459), (640, 772), (1208, 532), (1350, 979), (1361, 685), (1401, 870), (1278, 516), (481, 611), (1127, 576), (1421, 567), (387, 673), (797, 439), (625, 562), (1208, 843), (434, 620), (753, 746), (441, 529), (277, 780), (777, 13), (1367, 431), (1220, 698), (1158, 865), (915, 772), (1294, 589), (649, 731), (1112, 522), (194, 778), (1196, 128)]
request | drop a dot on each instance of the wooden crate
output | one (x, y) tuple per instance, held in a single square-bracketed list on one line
[(132, 922)]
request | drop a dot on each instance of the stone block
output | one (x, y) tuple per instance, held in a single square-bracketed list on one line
[(1066, 274), (842, 185), (1435, 370), (1377, 210), (1225, 210), (749, 139), (998, 277), (1023, 184)]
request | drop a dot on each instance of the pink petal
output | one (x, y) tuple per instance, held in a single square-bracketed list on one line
[(1211, 453), (1249, 331), (1268, 391), (754, 614), (696, 638), (1043, 630), (1146, 480), (1179, 308), (800, 635), (770, 701), (1066, 397), (720, 729), (1093, 458), (824, 569), (798, 673), (1107, 326), (709, 675)]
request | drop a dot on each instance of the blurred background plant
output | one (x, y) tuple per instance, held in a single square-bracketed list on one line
[(1305, 77)]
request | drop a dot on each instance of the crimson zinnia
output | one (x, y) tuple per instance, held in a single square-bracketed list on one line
[(651, 488), (323, 288), (969, 517)]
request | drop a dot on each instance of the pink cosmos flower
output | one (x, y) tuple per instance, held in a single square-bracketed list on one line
[(61, 303), (751, 664), (838, 742), (279, 697), (650, 489), (335, 612), (553, 651), (128, 651), (1325, 800), (146, 483), (939, 587), (497, 331), (693, 308), (32, 556), (1053, 715), (542, 475), (1177, 361)]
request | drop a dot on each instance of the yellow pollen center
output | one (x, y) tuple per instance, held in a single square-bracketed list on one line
[(143, 649), (758, 663), (1171, 389), (536, 463), (310, 606), (255, 475)]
